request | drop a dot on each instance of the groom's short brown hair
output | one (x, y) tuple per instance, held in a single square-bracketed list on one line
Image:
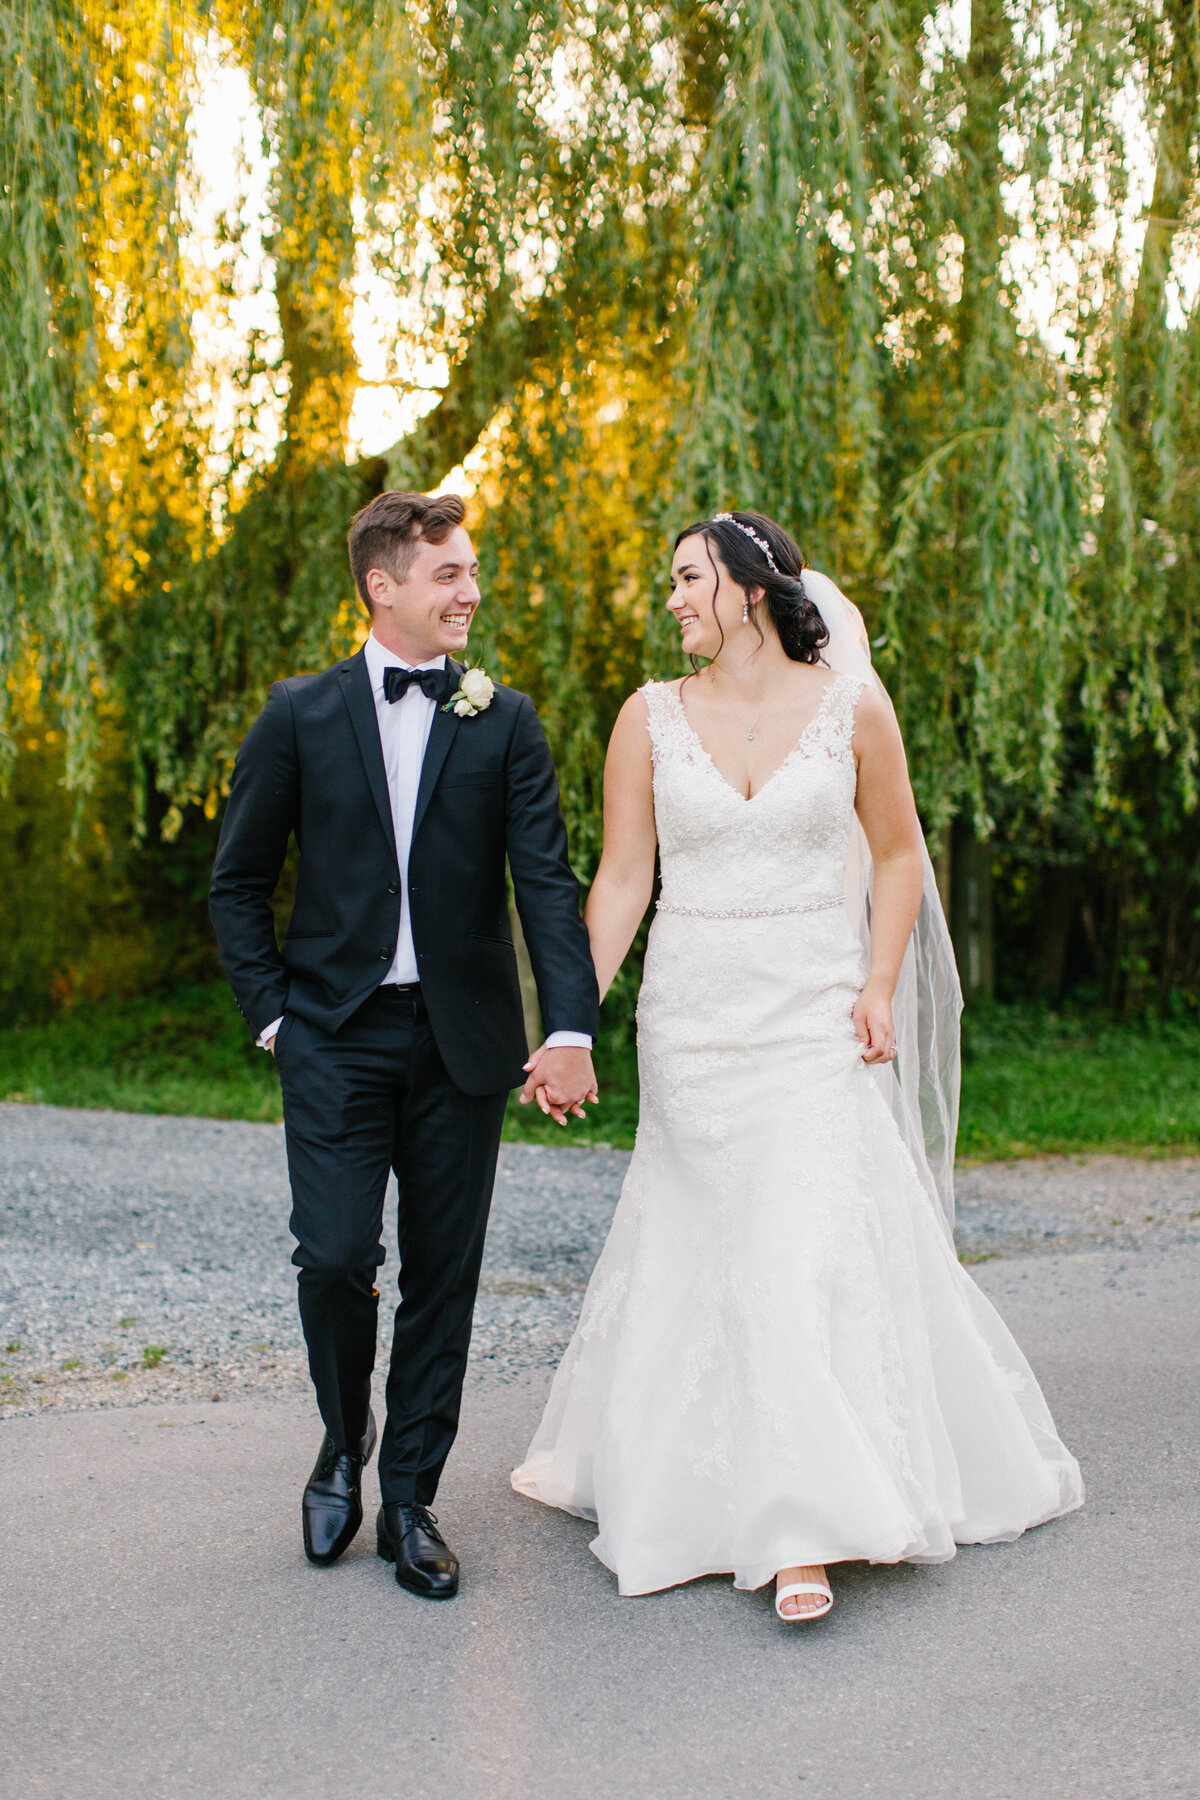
[(385, 533)]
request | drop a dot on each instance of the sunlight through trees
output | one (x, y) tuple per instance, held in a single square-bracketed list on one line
[(920, 283)]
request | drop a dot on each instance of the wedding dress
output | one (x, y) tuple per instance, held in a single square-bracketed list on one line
[(780, 1360)]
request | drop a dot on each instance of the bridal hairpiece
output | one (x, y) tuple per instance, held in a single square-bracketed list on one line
[(728, 518)]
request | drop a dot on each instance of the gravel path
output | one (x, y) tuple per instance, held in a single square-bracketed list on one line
[(146, 1258)]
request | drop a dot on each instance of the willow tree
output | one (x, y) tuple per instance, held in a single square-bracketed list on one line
[(1142, 691), (676, 258), (563, 233), (95, 349), (94, 366), (846, 212), (862, 362), (159, 586), (261, 589)]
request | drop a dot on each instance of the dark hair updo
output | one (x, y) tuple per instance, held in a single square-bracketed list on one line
[(800, 627)]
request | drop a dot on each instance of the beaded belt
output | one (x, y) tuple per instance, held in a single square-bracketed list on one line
[(751, 912)]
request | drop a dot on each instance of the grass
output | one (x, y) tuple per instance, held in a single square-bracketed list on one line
[(1037, 1081), (184, 1053), (188, 1053), (1033, 1080)]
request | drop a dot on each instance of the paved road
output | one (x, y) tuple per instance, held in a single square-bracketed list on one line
[(163, 1636)]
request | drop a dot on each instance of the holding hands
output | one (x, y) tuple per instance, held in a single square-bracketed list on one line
[(560, 1080)]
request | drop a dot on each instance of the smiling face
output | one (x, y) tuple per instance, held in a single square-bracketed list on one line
[(705, 598), (429, 613)]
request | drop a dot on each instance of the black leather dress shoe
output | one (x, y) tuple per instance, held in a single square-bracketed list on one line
[(425, 1564), (332, 1503)]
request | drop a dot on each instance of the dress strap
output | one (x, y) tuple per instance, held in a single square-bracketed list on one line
[(666, 721), (833, 728)]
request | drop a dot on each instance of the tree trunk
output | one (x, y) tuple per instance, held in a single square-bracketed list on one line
[(1173, 183), (980, 208), (971, 912), (1052, 931), (499, 356)]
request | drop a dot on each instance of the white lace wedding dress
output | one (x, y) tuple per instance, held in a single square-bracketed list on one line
[(779, 1360)]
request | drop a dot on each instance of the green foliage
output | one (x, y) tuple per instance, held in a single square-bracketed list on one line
[(1024, 1091), (675, 257), (91, 136), (185, 1052), (1036, 1082), (782, 373)]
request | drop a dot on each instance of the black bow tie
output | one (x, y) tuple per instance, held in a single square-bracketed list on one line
[(432, 683)]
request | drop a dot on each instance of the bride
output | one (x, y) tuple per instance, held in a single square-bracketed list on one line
[(780, 1363)]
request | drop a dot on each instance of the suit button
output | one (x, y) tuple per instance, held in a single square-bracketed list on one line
[(393, 887), (385, 954)]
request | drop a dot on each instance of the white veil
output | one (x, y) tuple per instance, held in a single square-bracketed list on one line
[(921, 1086)]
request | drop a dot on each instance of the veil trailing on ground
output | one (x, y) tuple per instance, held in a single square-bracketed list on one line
[(921, 1086)]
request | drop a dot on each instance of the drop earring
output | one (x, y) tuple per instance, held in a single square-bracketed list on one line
[(745, 612)]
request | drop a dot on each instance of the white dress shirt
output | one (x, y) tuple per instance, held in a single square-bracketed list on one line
[(404, 727)]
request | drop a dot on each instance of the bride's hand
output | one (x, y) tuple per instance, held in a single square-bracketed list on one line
[(873, 1024)]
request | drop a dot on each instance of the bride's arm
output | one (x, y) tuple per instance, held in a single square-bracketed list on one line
[(624, 881), (885, 806)]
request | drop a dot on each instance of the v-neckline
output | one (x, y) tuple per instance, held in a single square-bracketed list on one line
[(749, 799)]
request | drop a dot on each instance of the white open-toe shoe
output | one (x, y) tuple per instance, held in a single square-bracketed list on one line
[(803, 1587)]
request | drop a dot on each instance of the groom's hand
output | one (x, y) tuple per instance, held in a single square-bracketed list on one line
[(560, 1080)]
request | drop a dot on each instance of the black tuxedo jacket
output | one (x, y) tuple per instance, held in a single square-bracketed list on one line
[(312, 765)]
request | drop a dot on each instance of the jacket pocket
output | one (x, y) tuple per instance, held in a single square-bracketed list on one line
[(292, 935), (285, 1026)]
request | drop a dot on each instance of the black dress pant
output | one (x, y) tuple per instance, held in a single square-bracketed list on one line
[(369, 1098)]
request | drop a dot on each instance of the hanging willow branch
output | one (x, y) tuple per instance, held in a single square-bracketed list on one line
[(676, 258), (95, 352), (49, 577)]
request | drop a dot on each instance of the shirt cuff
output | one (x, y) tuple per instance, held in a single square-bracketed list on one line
[(574, 1040), (271, 1030)]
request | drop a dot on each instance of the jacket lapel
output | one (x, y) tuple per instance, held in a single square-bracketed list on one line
[(441, 736), (360, 703)]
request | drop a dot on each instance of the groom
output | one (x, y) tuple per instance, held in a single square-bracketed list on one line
[(393, 1007)]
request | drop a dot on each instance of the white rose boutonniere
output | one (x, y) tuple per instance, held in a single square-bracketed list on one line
[(474, 694)]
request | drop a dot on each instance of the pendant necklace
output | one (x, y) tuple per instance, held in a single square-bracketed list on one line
[(751, 729)]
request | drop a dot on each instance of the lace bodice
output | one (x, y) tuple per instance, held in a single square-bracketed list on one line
[(784, 847)]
